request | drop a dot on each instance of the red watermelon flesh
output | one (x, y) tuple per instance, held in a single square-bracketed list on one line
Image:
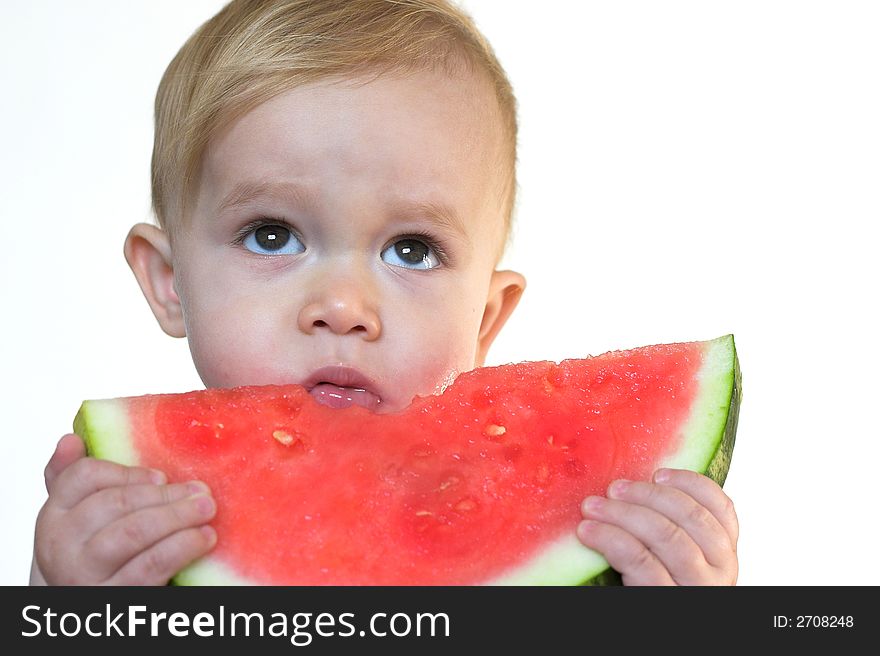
[(481, 484)]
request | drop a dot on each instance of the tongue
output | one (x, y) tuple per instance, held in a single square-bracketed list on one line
[(343, 397)]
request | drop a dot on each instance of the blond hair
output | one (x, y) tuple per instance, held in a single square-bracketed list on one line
[(253, 50)]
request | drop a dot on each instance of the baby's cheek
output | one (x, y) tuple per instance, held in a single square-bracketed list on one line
[(228, 351), (444, 357), (217, 366)]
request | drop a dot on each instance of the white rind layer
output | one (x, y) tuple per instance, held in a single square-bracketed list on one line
[(565, 562), (210, 571), (704, 429), (104, 427)]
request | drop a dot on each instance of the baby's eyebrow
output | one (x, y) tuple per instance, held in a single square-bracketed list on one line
[(440, 215), (246, 191)]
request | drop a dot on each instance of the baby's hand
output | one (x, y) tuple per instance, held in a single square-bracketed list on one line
[(680, 529), (106, 524)]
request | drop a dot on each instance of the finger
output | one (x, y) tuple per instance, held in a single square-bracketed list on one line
[(623, 551), (705, 492), (673, 547), (116, 544), (110, 504), (69, 449), (682, 510), (88, 475), (166, 558)]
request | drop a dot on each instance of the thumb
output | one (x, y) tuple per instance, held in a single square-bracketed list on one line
[(70, 448)]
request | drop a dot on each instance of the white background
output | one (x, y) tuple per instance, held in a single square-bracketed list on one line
[(688, 169)]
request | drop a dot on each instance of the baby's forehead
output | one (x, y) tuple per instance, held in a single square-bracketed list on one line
[(424, 137), (399, 95)]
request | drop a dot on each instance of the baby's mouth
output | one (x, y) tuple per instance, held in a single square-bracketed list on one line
[(341, 387), (337, 396)]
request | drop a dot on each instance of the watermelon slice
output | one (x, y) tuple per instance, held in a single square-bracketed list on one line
[(481, 484)]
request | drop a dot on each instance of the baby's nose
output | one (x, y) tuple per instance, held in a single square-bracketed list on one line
[(342, 313)]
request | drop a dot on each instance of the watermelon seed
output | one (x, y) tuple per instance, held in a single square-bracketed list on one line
[(285, 438), (466, 505), (196, 422), (494, 430), (550, 440), (289, 440), (449, 482), (423, 513)]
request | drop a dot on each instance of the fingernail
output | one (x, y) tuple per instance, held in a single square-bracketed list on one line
[(196, 487), (204, 504), (158, 477), (617, 488), (593, 504), (210, 534), (586, 527), (662, 476)]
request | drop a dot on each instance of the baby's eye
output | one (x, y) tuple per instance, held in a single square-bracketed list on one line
[(270, 239), (411, 254)]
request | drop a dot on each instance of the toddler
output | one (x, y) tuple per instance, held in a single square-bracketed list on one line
[(334, 182)]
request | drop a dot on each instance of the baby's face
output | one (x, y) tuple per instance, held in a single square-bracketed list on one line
[(345, 237)]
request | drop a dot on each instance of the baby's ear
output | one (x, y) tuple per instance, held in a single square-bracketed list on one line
[(505, 290), (148, 253)]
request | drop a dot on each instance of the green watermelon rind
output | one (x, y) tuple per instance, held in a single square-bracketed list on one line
[(707, 444)]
